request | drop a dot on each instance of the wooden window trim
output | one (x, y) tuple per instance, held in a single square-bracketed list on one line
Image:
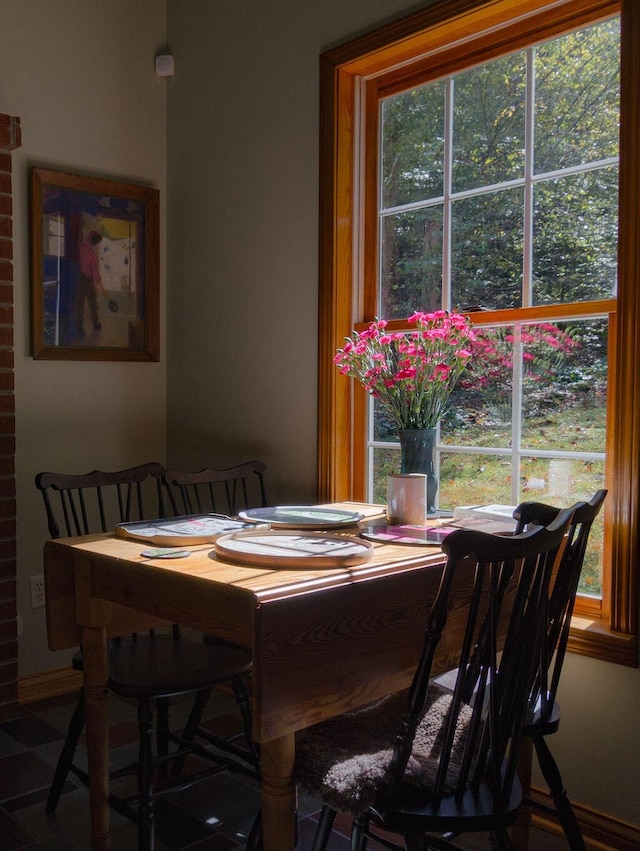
[(350, 72)]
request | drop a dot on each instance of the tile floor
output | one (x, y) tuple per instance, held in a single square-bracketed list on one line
[(211, 816)]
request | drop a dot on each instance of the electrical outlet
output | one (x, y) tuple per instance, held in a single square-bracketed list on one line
[(36, 588)]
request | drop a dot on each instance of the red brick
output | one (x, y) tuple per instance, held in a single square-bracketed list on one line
[(6, 380), (6, 227), (7, 445), (7, 484), (6, 359), (6, 314), (7, 427), (6, 293), (6, 271), (5, 183), (6, 249), (7, 527), (7, 609), (8, 507), (9, 673), (8, 630), (6, 205), (8, 550), (6, 336), (7, 403), (7, 463)]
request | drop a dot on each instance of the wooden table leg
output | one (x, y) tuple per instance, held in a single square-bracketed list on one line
[(94, 657), (278, 793)]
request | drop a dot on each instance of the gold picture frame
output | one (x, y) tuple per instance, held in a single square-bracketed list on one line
[(94, 268)]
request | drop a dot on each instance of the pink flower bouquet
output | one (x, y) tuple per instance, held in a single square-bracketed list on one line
[(411, 374)]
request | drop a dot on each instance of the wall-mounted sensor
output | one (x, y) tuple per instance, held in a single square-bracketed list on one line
[(165, 66)]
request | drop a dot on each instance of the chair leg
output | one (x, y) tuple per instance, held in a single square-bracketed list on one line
[(359, 829), (191, 727), (162, 732), (501, 841), (65, 761), (415, 840), (565, 811), (325, 826), (254, 840), (145, 778), (244, 702)]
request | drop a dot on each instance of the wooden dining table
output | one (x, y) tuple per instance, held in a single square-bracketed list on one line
[(324, 640)]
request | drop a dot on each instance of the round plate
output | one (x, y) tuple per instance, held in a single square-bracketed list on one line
[(289, 550), (302, 517)]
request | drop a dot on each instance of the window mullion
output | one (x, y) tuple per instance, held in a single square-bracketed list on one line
[(446, 207), (527, 259)]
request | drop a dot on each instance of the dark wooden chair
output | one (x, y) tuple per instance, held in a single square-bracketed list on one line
[(225, 491), (428, 764), (543, 717), (151, 668)]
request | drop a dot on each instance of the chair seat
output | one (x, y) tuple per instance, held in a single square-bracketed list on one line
[(477, 808), (346, 757), (538, 725), (145, 667)]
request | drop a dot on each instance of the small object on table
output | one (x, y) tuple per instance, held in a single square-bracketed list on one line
[(416, 535), (407, 498), (165, 552)]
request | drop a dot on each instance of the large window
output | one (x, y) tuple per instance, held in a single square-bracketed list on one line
[(472, 163), (499, 191)]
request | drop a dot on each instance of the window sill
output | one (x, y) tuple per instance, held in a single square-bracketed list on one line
[(592, 637)]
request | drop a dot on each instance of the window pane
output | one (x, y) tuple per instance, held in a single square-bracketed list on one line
[(474, 479), (411, 259), (486, 250), (565, 386), (488, 123), (577, 97), (413, 146), (481, 407), (385, 463), (575, 237)]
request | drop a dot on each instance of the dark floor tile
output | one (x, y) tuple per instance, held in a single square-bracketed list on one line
[(306, 832), (48, 703), (31, 731), (217, 842), (178, 829), (224, 803), (22, 774), (12, 835)]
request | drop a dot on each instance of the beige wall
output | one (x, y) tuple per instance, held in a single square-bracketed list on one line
[(243, 223), (242, 161), (81, 77)]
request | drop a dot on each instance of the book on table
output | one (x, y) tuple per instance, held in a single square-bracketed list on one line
[(494, 518)]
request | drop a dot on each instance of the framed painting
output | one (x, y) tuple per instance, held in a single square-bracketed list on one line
[(94, 268)]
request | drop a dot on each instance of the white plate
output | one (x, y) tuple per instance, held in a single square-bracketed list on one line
[(289, 550), (302, 517), (181, 531)]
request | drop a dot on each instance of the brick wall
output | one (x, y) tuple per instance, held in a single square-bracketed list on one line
[(9, 140)]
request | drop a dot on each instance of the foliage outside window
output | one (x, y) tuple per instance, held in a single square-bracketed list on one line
[(495, 193)]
